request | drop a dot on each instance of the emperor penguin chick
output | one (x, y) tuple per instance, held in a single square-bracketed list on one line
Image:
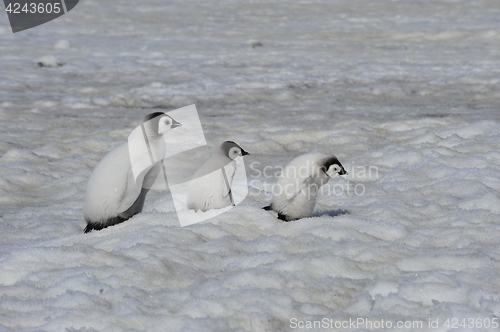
[(298, 187), (114, 194), (210, 187)]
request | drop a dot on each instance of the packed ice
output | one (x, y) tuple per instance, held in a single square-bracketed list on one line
[(404, 93)]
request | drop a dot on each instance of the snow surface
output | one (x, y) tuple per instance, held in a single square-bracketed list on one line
[(407, 89)]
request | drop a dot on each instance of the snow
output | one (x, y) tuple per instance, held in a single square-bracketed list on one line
[(404, 93)]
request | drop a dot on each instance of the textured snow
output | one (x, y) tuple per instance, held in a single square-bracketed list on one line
[(405, 93)]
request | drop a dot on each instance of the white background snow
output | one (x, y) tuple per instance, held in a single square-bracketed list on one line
[(409, 87)]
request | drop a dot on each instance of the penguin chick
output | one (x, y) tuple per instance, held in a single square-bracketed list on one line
[(295, 196), (210, 187), (113, 193)]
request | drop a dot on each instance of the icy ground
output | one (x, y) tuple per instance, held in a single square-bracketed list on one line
[(407, 88)]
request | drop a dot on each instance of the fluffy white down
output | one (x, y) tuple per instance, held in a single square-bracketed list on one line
[(211, 191), (110, 185), (297, 188)]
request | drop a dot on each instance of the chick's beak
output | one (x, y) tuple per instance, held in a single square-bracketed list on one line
[(343, 172), (175, 124), (244, 153)]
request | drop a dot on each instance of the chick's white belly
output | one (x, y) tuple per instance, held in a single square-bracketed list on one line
[(300, 206), (207, 192), (107, 185)]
